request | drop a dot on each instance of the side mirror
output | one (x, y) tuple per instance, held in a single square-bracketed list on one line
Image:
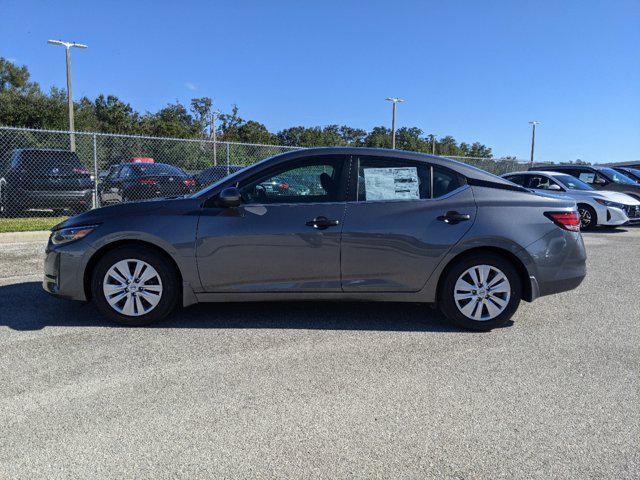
[(599, 181), (554, 187), (230, 197)]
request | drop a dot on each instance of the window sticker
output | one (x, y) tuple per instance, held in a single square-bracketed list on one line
[(396, 183), (587, 177)]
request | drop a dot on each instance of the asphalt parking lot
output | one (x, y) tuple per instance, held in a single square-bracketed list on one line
[(324, 390)]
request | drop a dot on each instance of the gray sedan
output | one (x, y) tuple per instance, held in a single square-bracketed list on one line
[(369, 224)]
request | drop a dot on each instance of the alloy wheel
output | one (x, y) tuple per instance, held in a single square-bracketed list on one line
[(132, 287), (482, 292), (585, 217)]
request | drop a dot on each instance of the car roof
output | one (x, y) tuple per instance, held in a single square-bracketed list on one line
[(468, 171)]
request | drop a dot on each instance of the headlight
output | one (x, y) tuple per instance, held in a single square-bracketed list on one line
[(607, 203), (71, 234)]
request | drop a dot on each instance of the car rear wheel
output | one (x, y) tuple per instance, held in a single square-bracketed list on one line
[(134, 286), (588, 217), (480, 292)]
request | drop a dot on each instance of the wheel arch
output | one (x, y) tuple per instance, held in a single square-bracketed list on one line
[(523, 272), (98, 254)]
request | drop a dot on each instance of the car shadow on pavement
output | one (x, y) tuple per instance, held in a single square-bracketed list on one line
[(25, 306)]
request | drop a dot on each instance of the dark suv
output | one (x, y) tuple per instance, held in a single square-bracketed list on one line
[(600, 178), (47, 179)]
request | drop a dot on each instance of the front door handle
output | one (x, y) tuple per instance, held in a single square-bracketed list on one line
[(453, 217), (321, 223)]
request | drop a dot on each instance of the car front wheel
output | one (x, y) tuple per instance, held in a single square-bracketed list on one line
[(588, 217), (480, 292), (134, 286)]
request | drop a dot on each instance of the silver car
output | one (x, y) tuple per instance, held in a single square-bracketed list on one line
[(596, 207), (371, 224)]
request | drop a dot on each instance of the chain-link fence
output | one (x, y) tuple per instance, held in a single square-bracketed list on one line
[(39, 172)]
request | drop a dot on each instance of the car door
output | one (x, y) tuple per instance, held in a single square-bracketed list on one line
[(284, 237), (401, 219)]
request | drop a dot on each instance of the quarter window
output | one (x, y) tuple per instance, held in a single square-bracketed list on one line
[(445, 181)]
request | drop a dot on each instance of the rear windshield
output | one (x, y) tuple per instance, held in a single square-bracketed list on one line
[(156, 169), (47, 159)]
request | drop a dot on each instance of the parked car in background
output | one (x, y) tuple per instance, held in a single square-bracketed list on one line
[(596, 207), (600, 178), (215, 174), (632, 173), (143, 181), (419, 228), (44, 179)]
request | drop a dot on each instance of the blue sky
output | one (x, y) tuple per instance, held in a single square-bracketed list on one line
[(477, 70)]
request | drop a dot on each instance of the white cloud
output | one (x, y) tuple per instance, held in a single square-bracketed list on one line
[(190, 86)]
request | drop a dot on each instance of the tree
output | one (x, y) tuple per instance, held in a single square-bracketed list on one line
[(201, 108), (13, 77)]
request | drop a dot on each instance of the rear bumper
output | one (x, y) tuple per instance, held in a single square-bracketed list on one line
[(55, 198), (560, 262)]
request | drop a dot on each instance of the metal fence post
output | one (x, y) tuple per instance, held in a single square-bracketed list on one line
[(227, 156), (96, 199)]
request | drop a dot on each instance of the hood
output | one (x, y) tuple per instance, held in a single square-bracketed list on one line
[(617, 197), (99, 215)]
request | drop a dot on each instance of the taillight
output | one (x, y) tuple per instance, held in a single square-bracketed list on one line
[(284, 186), (565, 220), (189, 183), (146, 181)]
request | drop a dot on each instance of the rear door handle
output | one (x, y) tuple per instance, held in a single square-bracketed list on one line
[(453, 217), (321, 223)]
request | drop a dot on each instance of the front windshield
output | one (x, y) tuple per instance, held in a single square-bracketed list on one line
[(635, 172), (617, 177), (572, 183)]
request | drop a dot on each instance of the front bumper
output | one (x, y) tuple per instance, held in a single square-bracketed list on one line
[(614, 217), (64, 268)]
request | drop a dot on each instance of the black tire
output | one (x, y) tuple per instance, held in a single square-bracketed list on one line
[(586, 212), (447, 303), (166, 271)]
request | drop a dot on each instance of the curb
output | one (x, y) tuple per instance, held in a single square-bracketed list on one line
[(24, 237)]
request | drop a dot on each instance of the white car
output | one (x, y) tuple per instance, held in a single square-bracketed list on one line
[(596, 207)]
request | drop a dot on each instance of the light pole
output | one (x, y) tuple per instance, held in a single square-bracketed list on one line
[(214, 114), (68, 45), (433, 144), (533, 139), (395, 101)]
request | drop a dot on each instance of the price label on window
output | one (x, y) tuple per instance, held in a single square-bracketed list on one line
[(395, 183)]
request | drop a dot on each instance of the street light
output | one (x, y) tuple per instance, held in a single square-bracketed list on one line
[(393, 119), (214, 114), (533, 139), (68, 46), (433, 143)]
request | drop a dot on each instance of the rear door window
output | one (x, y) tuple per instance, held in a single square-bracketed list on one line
[(390, 179)]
